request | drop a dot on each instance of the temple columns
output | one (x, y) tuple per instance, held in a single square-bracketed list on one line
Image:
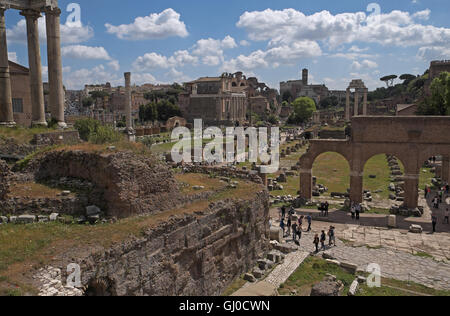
[(34, 60), (306, 184), (6, 108), (356, 108), (347, 107), (365, 102), (55, 76), (128, 101)]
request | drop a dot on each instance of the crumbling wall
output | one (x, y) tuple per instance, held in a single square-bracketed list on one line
[(192, 255), (130, 184), (4, 179)]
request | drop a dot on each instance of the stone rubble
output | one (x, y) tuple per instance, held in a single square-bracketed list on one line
[(52, 283)]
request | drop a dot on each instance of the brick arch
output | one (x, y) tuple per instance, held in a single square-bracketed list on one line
[(318, 148)]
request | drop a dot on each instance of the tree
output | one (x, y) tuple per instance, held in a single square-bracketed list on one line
[(87, 102), (439, 102), (166, 110), (273, 119), (326, 103), (407, 78), (148, 112), (99, 94), (389, 80), (304, 108), (287, 96)]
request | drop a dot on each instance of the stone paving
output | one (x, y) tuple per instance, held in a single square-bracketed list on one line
[(283, 271), (395, 251)]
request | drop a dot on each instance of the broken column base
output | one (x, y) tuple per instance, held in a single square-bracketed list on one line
[(407, 212), (8, 124)]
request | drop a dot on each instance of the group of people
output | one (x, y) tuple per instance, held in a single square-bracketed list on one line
[(436, 201), (355, 211), (292, 227), (324, 209)]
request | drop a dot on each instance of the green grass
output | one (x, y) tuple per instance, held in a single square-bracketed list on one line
[(23, 135), (379, 167), (332, 171), (235, 286), (313, 270), (423, 255)]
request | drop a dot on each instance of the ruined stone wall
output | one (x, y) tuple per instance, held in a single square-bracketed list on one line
[(130, 184), (192, 255), (4, 179), (61, 137)]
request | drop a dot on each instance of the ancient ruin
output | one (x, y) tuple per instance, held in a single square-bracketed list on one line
[(359, 87), (413, 140)]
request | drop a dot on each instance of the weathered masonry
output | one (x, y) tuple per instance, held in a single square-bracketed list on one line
[(31, 10), (413, 140)]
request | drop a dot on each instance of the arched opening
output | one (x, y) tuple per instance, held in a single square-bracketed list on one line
[(234, 84), (383, 182), (331, 175)]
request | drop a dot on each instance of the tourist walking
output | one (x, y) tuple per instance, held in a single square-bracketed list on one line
[(283, 212), (289, 225), (358, 211), (316, 242), (323, 239), (353, 211), (282, 226), (434, 222), (309, 220), (332, 237), (446, 216), (294, 231), (300, 223), (327, 208), (426, 192), (299, 235)]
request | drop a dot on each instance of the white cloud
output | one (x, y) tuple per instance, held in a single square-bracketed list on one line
[(70, 33), (97, 75), (395, 28), (244, 43), (428, 53), (114, 64), (155, 26), (85, 52), (12, 56), (209, 51), (364, 64)]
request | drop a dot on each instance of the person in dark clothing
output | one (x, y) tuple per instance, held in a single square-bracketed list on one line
[(282, 227), (294, 231), (309, 220), (283, 212), (323, 239), (316, 242), (434, 222), (327, 208)]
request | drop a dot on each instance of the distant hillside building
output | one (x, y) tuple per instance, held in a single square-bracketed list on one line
[(302, 88), (437, 67)]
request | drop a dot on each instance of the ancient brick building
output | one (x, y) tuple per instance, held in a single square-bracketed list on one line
[(302, 88), (21, 94)]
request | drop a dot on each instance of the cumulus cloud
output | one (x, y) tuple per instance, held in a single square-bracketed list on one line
[(85, 52), (209, 51), (395, 28), (12, 56), (428, 53), (155, 26), (364, 64), (71, 33)]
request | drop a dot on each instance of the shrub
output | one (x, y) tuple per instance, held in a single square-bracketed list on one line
[(104, 134), (86, 127)]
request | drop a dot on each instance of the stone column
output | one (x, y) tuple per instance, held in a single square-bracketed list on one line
[(34, 60), (365, 102), (128, 100), (412, 190), (306, 184), (356, 108), (446, 169), (347, 107), (356, 186), (55, 77), (6, 109)]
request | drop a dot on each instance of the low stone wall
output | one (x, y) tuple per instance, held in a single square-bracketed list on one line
[(224, 172), (130, 184), (56, 138), (196, 255), (74, 206)]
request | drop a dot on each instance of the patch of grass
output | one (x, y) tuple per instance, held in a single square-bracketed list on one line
[(33, 190), (312, 271), (23, 135), (423, 255), (235, 286), (379, 167)]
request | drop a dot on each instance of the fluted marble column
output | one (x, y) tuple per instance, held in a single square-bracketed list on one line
[(55, 77), (6, 109), (347, 106), (356, 109), (34, 60)]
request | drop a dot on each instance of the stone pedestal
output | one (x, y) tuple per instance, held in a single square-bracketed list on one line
[(34, 59), (411, 191), (6, 109), (392, 221)]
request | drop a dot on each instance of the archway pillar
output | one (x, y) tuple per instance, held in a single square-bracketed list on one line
[(306, 184), (347, 106), (446, 169), (412, 190), (356, 186)]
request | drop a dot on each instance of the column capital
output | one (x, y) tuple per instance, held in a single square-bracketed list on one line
[(53, 11), (31, 14)]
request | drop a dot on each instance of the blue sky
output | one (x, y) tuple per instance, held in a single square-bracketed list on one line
[(178, 40)]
